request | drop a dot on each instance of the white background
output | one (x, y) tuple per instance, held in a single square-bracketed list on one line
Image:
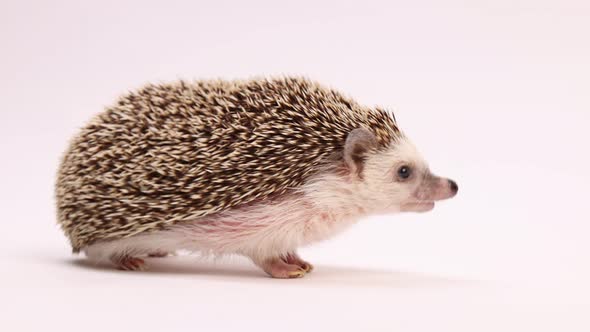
[(496, 94)]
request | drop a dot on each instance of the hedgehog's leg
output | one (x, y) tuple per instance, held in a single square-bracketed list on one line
[(128, 263), (293, 258), (278, 268)]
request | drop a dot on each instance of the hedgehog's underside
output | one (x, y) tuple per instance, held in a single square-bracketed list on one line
[(171, 153)]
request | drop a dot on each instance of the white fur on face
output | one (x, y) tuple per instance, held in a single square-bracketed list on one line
[(378, 190), (382, 185)]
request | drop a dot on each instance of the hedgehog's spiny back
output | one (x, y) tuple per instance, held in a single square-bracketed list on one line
[(170, 153)]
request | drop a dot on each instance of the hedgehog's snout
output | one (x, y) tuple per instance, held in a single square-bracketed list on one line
[(435, 188), (444, 189), (453, 187)]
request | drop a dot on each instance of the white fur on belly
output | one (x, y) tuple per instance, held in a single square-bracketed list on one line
[(257, 231)]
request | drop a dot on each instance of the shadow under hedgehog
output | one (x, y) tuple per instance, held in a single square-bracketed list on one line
[(257, 168)]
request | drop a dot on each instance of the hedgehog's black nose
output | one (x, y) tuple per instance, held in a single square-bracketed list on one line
[(454, 187)]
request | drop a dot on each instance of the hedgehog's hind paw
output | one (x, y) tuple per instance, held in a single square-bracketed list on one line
[(129, 263)]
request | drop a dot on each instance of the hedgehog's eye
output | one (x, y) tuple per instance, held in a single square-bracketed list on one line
[(404, 172)]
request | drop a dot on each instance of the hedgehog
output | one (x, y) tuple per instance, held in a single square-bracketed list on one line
[(257, 168)]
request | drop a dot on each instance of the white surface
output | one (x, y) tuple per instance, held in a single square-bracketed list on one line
[(495, 93)]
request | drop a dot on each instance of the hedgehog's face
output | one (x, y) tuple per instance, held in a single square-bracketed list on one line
[(397, 179)]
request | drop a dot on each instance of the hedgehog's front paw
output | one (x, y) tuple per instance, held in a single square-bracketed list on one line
[(279, 268), (293, 258), (129, 263)]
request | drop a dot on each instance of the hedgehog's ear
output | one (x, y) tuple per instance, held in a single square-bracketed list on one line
[(358, 143)]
